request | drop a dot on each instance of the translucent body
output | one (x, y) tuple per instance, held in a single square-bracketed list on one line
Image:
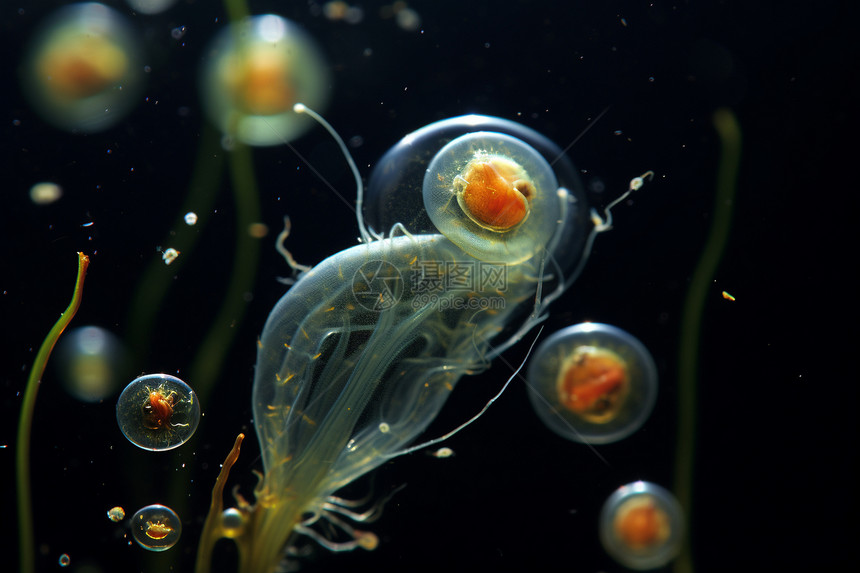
[(83, 70), (493, 195), (341, 387), (91, 361), (592, 383), (641, 526), (156, 527), (395, 192), (258, 69), (158, 412), (359, 356)]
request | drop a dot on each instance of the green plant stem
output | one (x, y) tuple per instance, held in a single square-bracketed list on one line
[(729, 132), (158, 278), (246, 257), (237, 10), (25, 423)]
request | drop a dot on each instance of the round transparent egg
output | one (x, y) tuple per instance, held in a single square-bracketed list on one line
[(257, 69), (156, 527), (493, 195), (592, 383), (82, 70), (91, 362), (395, 191), (232, 522), (642, 526), (158, 412)]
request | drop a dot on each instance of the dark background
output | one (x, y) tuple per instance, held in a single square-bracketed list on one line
[(777, 386)]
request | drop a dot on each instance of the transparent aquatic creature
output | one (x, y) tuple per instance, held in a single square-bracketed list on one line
[(494, 194), (82, 70), (91, 363), (360, 355), (592, 383), (158, 412), (642, 526), (156, 527), (401, 187), (256, 71)]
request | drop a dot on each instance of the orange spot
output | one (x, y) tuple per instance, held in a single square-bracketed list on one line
[(158, 409), (367, 540), (157, 530), (494, 193), (640, 524), (83, 66), (262, 83), (593, 383)]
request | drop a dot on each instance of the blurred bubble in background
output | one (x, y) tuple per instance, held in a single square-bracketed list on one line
[(91, 362), (82, 69)]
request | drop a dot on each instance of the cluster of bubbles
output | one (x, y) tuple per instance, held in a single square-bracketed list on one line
[(597, 384), (84, 72), (155, 412)]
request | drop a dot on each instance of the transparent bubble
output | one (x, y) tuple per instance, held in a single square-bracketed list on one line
[(91, 361), (82, 69), (232, 522), (408, 19), (258, 69), (396, 191), (116, 514), (156, 527), (592, 383), (158, 412), (641, 526), (493, 195)]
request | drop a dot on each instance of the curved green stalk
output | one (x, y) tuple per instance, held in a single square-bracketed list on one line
[(237, 10), (729, 132), (246, 257), (213, 351), (203, 188), (27, 548)]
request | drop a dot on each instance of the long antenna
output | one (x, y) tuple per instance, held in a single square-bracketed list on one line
[(359, 186)]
